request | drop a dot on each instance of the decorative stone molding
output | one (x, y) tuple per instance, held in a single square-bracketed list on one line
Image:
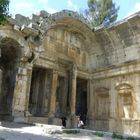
[(102, 91), (124, 89)]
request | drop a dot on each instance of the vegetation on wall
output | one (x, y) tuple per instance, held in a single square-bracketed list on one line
[(101, 12), (4, 10), (31, 58)]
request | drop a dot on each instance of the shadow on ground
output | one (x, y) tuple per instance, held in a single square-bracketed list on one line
[(13, 135), (15, 125)]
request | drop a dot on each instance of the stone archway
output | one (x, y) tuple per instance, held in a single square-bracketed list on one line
[(10, 55)]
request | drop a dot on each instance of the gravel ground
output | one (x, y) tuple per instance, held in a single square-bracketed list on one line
[(15, 131)]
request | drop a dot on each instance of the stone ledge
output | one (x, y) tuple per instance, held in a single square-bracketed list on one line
[(117, 70)]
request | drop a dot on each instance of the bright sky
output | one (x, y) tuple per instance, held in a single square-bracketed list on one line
[(27, 7)]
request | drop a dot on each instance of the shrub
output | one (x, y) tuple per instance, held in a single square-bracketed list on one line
[(71, 131), (130, 138), (99, 134), (117, 136)]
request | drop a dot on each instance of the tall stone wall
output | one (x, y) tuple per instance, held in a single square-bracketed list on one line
[(115, 104), (65, 45), (120, 42)]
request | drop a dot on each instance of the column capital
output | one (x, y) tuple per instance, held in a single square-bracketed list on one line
[(74, 71), (54, 72)]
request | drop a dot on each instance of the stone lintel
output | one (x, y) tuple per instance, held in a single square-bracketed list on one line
[(123, 70), (46, 64), (84, 75)]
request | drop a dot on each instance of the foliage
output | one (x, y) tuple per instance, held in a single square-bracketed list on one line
[(4, 10), (31, 58), (117, 136), (67, 131), (130, 138), (101, 12), (99, 134)]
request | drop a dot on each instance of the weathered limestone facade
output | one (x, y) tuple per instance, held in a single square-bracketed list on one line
[(55, 65)]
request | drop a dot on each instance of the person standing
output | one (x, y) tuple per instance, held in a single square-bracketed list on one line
[(80, 123)]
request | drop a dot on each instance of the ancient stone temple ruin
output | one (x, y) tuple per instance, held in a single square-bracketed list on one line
[(55, 65)]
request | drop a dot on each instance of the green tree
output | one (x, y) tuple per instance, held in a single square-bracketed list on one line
[(101, 12), (4, 10)]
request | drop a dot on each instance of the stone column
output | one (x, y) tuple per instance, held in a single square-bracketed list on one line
[(53, 93), (29, 73), (113, 100), (90, 103), (136, 97), (44, 107), (0, 78), (0, 75), (73, 90), (0, 81), (73, 84), (19, 106), (65, 94), (113, 106), (1, 95)]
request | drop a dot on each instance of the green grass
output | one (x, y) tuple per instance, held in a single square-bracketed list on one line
[(99, 134), (117, 136), (130, 138)]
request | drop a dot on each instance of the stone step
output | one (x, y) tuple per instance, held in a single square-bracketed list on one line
[(42, 120), (6, 118)]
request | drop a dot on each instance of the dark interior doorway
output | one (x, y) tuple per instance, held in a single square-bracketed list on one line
[(81, 97), (10, 55), (39, 92)]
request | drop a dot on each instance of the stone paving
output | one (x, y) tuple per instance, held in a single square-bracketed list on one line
[(15, 131)]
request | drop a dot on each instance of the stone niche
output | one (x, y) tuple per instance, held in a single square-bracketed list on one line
[(125, 101), (103, 103), (102, 109)]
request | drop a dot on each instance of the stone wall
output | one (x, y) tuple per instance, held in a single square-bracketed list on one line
[(62, 48), (120, 98), (120, 42)]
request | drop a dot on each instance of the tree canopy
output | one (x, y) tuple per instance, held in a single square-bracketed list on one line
[(101, 12), (4, 10)]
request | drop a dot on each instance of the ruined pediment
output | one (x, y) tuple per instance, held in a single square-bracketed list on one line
[(124, 89)]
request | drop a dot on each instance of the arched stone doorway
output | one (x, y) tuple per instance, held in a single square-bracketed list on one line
[(10, 54)]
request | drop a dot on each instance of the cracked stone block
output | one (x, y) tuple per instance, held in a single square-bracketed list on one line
[(29, 31), (44, 14), (22, 19)]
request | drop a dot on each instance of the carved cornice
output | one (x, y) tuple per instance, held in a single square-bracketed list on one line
[(116, 70), (124, 89)]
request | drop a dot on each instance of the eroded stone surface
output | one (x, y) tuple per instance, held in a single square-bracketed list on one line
[(58, 67)]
